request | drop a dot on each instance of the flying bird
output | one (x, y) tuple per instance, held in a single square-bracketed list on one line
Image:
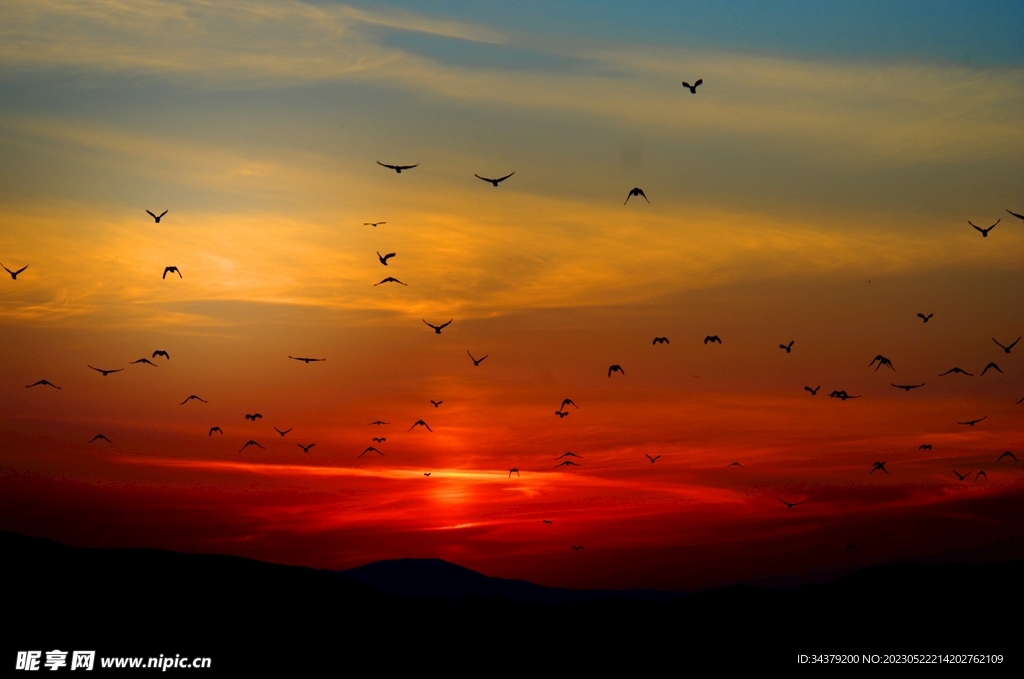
[(146, 361), (790, 505), (1007, 454), (547, 521), (100, 436), (991, 365), (391, 279), (384, 258), (380, 439), (814, 392), (477, 361), (569, 454), (882, 360), (248, 443), (567, 463), (1020, 217), (787, 347), (734, 464), (397, 168), (373, 224), (438, 403), (652, 459), (908, 387), (282, 433), (161, 352), (370, 449), (971, 423), (963, 476), (213, 429), (14, 274), (420, 423), (981, 472), (378, 422), (615, 368), (305, 360), (1005, 348), (569, 402), (925, 446), (514, 469), (426, 473), (561, 414), (984, 232), (878, 466), (254, 416), (712, 338), (1020, 401), (494, 181), (636, 191), (437, 328), (957, 370), (660, 340), (193, 396), (171, 269), (106, 372), (576, 548), (841, 395), (156, 217), (693, 87), (305, 449), (925, 318)]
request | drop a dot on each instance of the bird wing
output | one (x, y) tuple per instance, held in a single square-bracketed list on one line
[(699, 81), (1014, 343), (26, 266), (445, 325), (407, 167), (686, 84), (1016, 215), (163, 213), (484, 178), (388, 256), (432, 326), (151, 214), (501, 179), (385, 165), (483, 357)]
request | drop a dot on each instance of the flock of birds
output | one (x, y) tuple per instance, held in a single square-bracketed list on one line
[(568, 459)]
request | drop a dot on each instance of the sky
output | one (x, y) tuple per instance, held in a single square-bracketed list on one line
[(817, 188)]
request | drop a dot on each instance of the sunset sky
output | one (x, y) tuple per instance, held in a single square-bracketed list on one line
[(817, 188)]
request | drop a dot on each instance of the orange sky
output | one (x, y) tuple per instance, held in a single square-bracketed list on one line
[(823, 201)]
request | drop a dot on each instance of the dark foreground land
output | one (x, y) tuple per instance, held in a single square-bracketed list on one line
[(249, 615)]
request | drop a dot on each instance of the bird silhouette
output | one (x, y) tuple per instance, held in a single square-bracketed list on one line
[(100, 436), (1005, 348), (14, 274), (437, 328), (514, 469), (882, 360), (253, 416), (248, 443), (660, 340), (693, 87), (567, 463), (438, 403), (1020, 401), (378, 422), (841, 395), (161, 352), (420, 423), (652, 459), (305, 360), (370, 449), (193, 396), (547, 521), (397, 168), (157, 217), (384, 258), (712, 338), (494, 181), (282, 433), (971, 423), (171, 269), (615, 368), (787, 347), (569, 402), (964, 476), (981, 472), (925, 318), (476, 361), (146, 361), (790, 505), (1007, 454), (561, 414), (636, 191), (957, 370), (814, 392), (213, 429), (426, 473), (734, 464), (908, 387), (305, 449), (106, 372), (569, 453), (373, 224), (991, 365), (984, 232), (925, 446), (576, 548), (878, 466), (1020, 217), (379, 439), (391, 279)]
